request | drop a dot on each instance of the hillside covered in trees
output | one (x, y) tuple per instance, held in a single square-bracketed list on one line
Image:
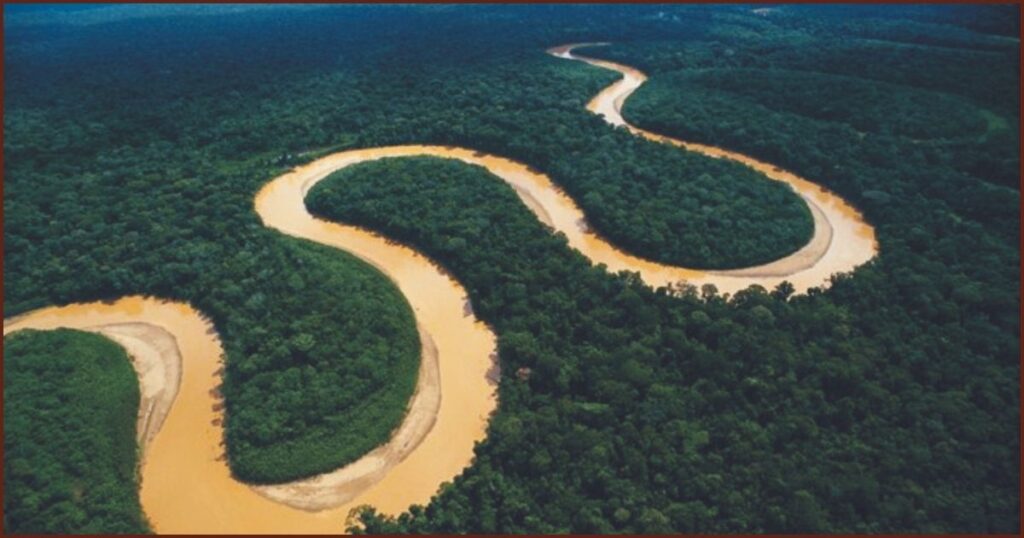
[(885, 403)]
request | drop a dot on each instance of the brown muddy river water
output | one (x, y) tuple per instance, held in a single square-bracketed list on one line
[(842, 240), (186, 485)]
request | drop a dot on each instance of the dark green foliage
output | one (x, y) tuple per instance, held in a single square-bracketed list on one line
[(867, 106), (647, 198), (651, 200), (196, 137), (858, 410), (779, 60), (795, 43), (887, 403), (772, 119), (70, 456), (962, 25), (319, 388)]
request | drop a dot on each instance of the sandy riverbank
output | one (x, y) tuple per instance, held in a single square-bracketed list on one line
[(842, 239), (186, 484)]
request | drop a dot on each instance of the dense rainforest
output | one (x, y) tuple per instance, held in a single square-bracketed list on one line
[(888, 402), (653, 411), (70, 402)]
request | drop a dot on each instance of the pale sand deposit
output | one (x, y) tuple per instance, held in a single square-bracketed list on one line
[(842, 239), (186, 484)]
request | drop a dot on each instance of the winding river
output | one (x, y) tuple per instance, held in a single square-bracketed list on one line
[(842, 240), (186, 486)]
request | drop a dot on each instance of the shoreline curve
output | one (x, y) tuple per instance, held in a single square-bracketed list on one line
[(842, 239), (435, 441), (432, 445)]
